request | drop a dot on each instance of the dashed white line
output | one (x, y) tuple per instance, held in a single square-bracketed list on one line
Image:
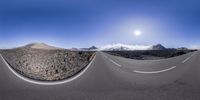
[(154, 72), (115, 63), (186, 60)]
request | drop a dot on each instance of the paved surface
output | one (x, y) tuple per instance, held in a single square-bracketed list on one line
[(115, 78)]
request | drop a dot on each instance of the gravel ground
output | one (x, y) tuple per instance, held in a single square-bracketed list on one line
[(47, 65)]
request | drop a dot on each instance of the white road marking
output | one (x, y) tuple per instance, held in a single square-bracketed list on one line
[(46, 83), (189, 57), (154, 72), (186, 60), (115, 63)]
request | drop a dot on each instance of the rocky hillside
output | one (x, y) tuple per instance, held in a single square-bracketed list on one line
[(41, 46), (47, 64)]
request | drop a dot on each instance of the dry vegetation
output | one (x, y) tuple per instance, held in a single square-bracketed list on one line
[(47, 65)]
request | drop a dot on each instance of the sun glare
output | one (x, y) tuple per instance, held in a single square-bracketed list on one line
[(137, 32)]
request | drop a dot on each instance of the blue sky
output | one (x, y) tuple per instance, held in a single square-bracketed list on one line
[(83, 23)]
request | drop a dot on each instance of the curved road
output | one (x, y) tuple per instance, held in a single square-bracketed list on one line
[(115, 78)]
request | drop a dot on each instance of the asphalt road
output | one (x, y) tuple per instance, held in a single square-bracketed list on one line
[(115, 78)]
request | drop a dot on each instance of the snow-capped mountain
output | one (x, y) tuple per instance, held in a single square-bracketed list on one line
[(125, 47), (121, 47)]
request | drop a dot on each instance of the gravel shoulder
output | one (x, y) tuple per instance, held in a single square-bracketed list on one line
[(47, 65)]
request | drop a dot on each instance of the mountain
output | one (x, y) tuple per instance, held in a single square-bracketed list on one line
[(114, 47), (158, 47), (182, 48), (41, 46), (92, 48), (124, 47)]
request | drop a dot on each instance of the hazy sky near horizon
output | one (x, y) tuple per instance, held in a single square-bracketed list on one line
[(83, 23)]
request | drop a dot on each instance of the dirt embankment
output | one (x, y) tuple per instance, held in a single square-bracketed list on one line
[(47, 65)]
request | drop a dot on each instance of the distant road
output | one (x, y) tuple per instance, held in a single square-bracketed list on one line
[(115, 78)]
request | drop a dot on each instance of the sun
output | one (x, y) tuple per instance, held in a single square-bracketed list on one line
[(137, 32)]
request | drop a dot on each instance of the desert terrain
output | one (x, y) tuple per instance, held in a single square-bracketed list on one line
[(46, 63)]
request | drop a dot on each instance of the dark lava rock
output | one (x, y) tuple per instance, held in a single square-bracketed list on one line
[(47, 65)]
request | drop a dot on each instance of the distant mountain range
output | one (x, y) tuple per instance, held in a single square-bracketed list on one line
[(92, 48), (124, 47), (48, 47), (114, 47)]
